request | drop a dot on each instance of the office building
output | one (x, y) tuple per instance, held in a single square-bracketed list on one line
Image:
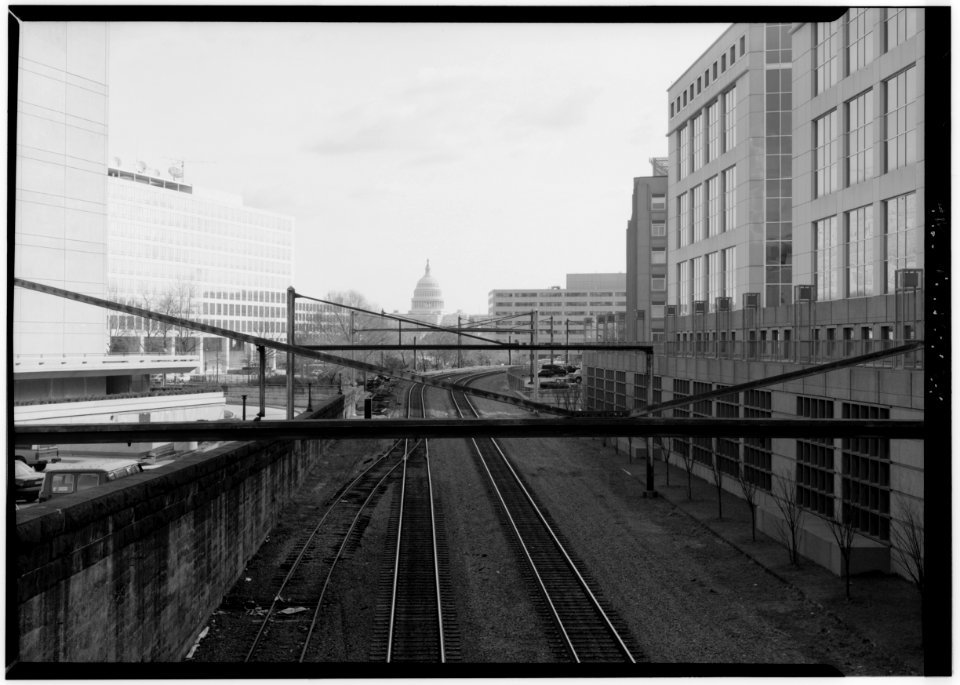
[(590, 306), (197, 254), (794, 217), (647, 256)]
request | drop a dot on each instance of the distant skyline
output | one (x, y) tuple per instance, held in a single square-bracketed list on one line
[(503, 153)]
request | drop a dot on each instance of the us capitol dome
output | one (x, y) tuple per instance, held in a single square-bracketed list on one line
[(427, 302)]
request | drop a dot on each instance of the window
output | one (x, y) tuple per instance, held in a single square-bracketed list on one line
[(757, 452), (723, 63), (859, 40), (826, 154), (900, 120), (713, 206), (860, 138), (860, 252), (658, 283), (699, 85), (815, 461), (683, 220), (827, 55), (713, 130), (681, 388), (684, 152), (730, 119), (698, 281), (743, 45), (901, 248), (658, 202), (685, 288), (697, 142), (706, 78), (713, 278), (865, 476), (714, 71), (702, 448), (658, 228), (729, 279), (658, 255), (899, 25), (729, 198), (657, 311), (827, 251), (697, 213)]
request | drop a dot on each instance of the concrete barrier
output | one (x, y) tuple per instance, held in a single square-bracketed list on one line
[(130, 571)]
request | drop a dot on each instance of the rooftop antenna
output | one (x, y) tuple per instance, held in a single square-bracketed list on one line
[(177, 169)]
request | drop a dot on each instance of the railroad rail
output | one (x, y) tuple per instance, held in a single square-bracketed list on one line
[(414, 622), (588, 631), (316, 551)]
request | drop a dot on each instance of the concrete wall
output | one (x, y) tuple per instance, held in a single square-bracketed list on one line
[(130, 571)]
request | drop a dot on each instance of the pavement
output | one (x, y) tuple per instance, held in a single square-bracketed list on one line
[(884, 608)]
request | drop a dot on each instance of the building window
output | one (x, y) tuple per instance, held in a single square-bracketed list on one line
[(757, 452), (658, 202), (827, 55), (713, 130), (684, 287), (900, 120), (697, 213), (697, 142), (901, 245), (729, 280), (860, 138), (698, 281), (815, 461), (714, 274), (683, 220), (713, 206), (865, 476), (658, 283), (702, 448), (826, 154), (899, 25), (829, 265), (743, 45), (658, 255), (657, 311), (730, 119), (729, 198), (859, 40), (658, 229), (728, 450), (860, 252), (683, 144)]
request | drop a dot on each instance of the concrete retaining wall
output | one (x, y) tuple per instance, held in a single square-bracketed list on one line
[(131, 571)]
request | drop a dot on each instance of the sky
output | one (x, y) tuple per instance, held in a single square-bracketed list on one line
[(503, 153)]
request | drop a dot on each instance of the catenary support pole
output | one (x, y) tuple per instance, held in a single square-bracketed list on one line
[(262, 358), (291, 358)]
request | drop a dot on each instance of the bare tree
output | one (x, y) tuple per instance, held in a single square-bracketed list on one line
[(749, 490), (907, 536), (791, 526), (688, 462), (718, 481), (844, 533), (666, 458)]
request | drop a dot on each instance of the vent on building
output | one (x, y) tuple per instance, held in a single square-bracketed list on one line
[(751, 300), (908, 279), (805, 293), (699, 306), (724, 304), (670, 310)]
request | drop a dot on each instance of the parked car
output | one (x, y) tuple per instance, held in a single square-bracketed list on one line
[(65, 479), (26, 481), (38, 456)]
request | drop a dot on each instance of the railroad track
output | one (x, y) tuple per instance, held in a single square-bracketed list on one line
[(415, 618), (294, 609), (586, 631)]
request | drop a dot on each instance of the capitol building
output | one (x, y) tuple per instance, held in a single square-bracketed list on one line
[(427, 302)]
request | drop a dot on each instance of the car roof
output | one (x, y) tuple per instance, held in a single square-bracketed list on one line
[(92, 465)]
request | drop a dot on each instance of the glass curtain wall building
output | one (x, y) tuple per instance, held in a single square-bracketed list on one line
[(199, 255)]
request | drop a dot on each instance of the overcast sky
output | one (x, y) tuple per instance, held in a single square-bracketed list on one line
[(503, 153)]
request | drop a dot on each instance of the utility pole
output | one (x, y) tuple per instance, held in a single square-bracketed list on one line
[(291, 319), (459, 342)]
